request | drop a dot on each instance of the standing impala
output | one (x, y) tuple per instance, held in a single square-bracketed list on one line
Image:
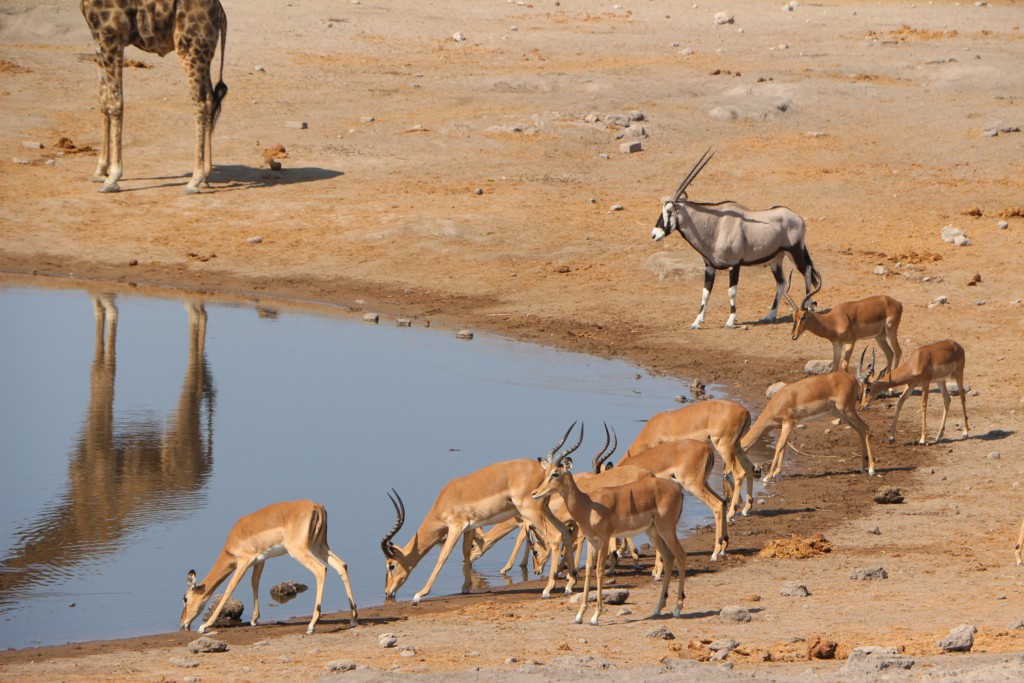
[(876, 317), (487, 496), (924, 365), (836, 392), (298, 528), (720, 421), (649, 505)]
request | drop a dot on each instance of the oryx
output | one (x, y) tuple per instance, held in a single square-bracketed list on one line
[(728, 235)]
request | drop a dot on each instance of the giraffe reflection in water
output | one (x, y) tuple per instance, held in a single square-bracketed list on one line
[(123, 474)]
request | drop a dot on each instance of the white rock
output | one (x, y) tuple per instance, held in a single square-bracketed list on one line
[(881, 270), (950, 233), (962, 241), (458, 37), (724, 18)]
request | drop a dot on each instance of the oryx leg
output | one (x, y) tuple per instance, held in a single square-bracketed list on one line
[(780, 289), (734, 280), (803, 263), (709, 284), (899, 407)]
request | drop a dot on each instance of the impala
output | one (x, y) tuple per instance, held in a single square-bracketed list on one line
[(651, 504), (924, 365), (836, 392), (1020, 544), (488, 496), (720, 421), (298, 528), (876, 317)]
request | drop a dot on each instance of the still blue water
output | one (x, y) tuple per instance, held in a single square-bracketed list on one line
[(129, 450)]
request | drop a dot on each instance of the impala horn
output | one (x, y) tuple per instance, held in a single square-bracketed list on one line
[(567, 451), (551, 453), (602, 457), (385, 543), (697, 168), (803, 304), (789, 299)]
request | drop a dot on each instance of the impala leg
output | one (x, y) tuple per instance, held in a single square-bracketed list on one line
[(232, 584), (736, 462), (602, 557), (454, 534), (539, 515), (891, 356), (734, 280), (675, 550), (709, 284), (946, 400), (668, 563), (257, 572), (591, 545), (847, 352), (861, 427), (899, 407), (837, 353), (963, 399), (1020, 545), (339, 566), (780, 448), (718, 507), (924, 414), (520, 539), (468, 541), (319, 568)]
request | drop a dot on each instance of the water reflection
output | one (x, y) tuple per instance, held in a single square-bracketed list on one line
[(121, 471)]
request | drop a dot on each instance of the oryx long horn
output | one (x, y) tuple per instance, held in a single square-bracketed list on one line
[(803, 304), (385, 543), (551, 453), (697, 168), (568, 451)]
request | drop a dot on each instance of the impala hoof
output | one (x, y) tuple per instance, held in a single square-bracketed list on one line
[(695, 326), (201, 629), (309, 631), (110, 187), (416, 599), (593, 622), (578, 620)]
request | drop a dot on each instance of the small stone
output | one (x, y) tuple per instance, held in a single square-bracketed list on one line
[(371, 317), (962, 241), (386, 640), (868, 660), (1019, 624), (403, 322), (184, 663), (608, 597), (298, 125), (881, 270), (818, 367), (32, 145), (870, 574), (722, 18), (875, 531), (661, 633), (950, 233), (822, 649), (734, 614), (458, 36), (204, 644), (407, 652), (340, 665), (723, 644), (259, 69), (464, 334), (631, 147), (1002, 225), (794, 589), (994, 455), (256, 239), (20, 162), (286, 590), (889, 496), (616, 207), (960, 639)]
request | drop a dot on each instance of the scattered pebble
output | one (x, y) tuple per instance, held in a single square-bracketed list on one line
[(734, 614), (386, 640), (204, 644), (371, 317), (722, 18), (255, 239), (340, 665), (794, 589), (870, 574), (299, 125), (464, 334), (661, 633), (889, 496)]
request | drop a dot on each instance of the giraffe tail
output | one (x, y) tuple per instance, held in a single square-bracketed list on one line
[(221, 90)]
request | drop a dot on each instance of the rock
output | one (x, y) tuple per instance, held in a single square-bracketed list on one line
[(464, 334), (869, 574), (1016, 625), (339, 665), (634, 130), (773, 388), (184, 663), (232, 612), (661, 633), (994, 455), (608, 597), (881, 270), (889, 496), (725, 113), (697, 389), (371, 317), (458, 36), (386, 640), (938, 301), (822, 649), (722, 18), (286, 590), (1002, 225), (950, 233), (403, 322), (794, 589), (818, 367), (204, 644), (32, 145), (298, 125), (616, 207), (255, 239), (962, 241), (723, 644), (960, 639), (867, 660), (875, 530), (630, 147), (734, 614)]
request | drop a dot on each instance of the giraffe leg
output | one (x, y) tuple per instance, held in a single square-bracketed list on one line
[(195, 46), (110, 62)]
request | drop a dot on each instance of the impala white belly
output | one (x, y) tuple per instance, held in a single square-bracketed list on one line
[(273, 551)]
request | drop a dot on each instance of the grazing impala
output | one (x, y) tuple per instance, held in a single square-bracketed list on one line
[(651, 504), (924, 365), (488, 496), (298, 528), (720, 421), (876, 317), (836, 392)]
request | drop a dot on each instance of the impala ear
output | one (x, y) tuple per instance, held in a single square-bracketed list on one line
[(191, 578), (567, 463)]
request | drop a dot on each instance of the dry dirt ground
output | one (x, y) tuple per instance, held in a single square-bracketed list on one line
[(472, 182)]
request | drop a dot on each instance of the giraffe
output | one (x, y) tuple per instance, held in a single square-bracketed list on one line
[(190, 28)]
